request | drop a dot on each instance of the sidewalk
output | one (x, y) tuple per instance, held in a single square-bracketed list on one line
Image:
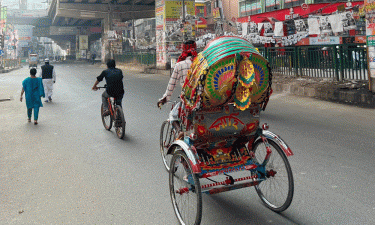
[(7, 70), (346, 92)]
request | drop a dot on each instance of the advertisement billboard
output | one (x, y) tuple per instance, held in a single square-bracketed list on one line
[(83, 42)]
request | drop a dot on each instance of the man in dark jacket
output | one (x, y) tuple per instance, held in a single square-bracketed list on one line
[(48, 76), (115, 86)]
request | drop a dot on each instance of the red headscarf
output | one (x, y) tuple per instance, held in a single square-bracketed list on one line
[(188, 47)]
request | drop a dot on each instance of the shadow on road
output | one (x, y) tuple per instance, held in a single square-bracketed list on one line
[(234, 207)]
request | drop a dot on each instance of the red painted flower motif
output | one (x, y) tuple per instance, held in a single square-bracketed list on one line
[(250, 126), (201, 129)]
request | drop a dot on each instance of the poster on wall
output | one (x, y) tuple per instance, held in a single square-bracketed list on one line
[(245, 27), (160, 17), (279, 29), (325, 25), (83, 42), (300, 26), (260, 26), (348, 21), (336, 23), (253, 28), (268, 30), (313, 26)]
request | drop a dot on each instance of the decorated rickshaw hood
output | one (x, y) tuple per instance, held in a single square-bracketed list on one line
[(228, 70)]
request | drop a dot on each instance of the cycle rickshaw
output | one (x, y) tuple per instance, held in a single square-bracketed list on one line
[(224, 147)]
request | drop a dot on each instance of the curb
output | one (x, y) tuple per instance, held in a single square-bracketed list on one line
[(9, 70), (156, 71), (362, 98)]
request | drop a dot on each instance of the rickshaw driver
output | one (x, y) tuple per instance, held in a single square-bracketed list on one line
[(179, 74)]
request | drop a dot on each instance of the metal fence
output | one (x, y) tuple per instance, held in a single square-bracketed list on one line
[(340, 62), (147, 58)]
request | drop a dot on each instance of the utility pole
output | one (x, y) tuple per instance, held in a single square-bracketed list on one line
[(133, 27), (183, 21)]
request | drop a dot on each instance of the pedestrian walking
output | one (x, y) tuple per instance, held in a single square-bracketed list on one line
[(48, 76), (34, 90)]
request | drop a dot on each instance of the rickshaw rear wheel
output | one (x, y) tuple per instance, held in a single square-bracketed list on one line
[(276, 192), (185, 190), (167, 136)]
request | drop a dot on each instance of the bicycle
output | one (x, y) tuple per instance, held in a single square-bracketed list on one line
[(115, 117)]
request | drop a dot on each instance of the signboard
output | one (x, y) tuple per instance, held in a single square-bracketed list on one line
[(63, 30), (360, 39), (173, 9), (216, 13), (83, 42), (120, 26), (324, 41), (117, 47), (160, 18), (305, 6), (369, 6), (292, 16)]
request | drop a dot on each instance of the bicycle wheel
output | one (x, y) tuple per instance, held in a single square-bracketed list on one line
[(276, 192), (185, 190), (107, 120), (120, 122), (167, 136)]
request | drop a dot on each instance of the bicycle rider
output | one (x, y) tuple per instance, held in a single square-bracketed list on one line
[(115, 86), (179, 74)]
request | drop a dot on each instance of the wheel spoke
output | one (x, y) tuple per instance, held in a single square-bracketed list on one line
[(187, 205), (166, 138), (276, 192)]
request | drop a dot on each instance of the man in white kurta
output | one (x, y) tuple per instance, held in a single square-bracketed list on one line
[(48, 76)]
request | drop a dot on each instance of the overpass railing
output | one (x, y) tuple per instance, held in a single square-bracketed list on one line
[(340, 62), (147, 58)]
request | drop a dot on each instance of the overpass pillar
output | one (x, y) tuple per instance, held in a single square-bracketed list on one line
[(105, 43), (107, 37), (167, 13)]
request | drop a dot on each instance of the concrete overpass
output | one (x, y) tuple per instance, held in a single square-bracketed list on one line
[(94, 12), (67, 19)]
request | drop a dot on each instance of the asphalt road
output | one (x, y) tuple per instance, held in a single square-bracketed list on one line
[(70, 170)]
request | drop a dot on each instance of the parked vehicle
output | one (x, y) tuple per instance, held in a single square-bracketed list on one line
[(33, 60)]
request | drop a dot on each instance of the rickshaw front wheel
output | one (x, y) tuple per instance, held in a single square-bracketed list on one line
[(276, 191)]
